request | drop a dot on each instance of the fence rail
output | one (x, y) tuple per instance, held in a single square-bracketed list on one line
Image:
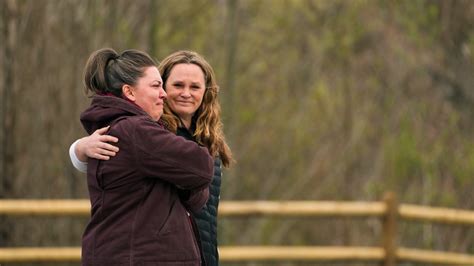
[(388, 211), (255, 208)]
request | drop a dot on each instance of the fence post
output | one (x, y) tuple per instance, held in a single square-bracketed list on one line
[(389, 234)]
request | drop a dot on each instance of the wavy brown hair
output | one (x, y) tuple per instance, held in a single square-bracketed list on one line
[(207, 118)]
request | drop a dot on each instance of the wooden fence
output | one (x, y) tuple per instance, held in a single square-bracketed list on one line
[(388, 210)]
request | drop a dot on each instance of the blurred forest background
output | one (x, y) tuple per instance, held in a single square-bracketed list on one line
[(322, 100)]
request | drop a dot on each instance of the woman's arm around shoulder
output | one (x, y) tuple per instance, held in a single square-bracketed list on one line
[(95, 146)]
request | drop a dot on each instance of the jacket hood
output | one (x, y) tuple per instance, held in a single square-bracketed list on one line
[(105, 109)]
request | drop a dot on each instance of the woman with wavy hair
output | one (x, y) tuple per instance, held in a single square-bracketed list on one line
[(191, 110)]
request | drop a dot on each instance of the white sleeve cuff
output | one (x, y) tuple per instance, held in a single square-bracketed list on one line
[(78, 164)]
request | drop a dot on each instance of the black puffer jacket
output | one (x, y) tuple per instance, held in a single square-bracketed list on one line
[(206, 219)]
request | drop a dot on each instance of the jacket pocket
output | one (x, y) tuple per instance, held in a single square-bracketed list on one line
[(168, 226)]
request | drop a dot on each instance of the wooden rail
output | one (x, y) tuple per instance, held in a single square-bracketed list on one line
[(255, 208), (226, 208), (388, 211), (261, 253), (228, 253)]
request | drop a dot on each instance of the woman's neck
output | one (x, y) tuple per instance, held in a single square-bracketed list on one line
[(186, 122)]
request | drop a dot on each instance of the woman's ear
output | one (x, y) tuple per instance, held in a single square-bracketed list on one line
[(128, 92)]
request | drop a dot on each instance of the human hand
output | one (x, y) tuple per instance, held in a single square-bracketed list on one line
[(96, 146)]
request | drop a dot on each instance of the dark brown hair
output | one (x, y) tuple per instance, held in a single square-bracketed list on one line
[(106, 71)]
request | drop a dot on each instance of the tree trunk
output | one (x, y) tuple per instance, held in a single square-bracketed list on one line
[(154, 14), (232, 36), (7, 111)]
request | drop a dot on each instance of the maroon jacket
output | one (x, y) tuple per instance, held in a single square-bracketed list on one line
[(137, 217)]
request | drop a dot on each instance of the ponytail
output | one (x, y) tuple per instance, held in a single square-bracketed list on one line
[(106, 71)]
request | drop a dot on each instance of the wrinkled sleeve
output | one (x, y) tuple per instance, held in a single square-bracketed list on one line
[(78, 164), (161, 154)]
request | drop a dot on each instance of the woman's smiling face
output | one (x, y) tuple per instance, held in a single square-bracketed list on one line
[(185, 88)]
